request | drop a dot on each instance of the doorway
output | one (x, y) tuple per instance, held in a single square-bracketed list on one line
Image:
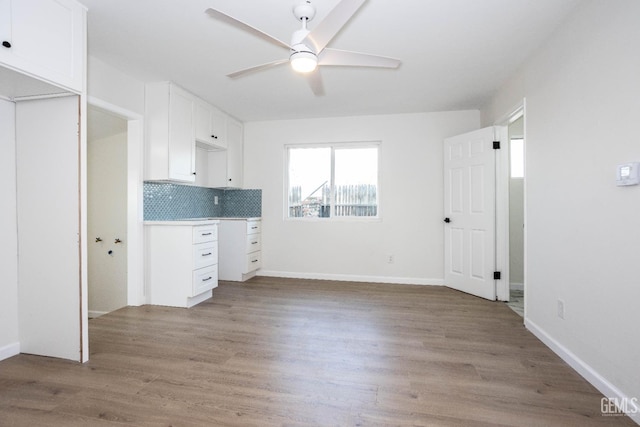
[(516, 215), (106, 211), (110, 123)]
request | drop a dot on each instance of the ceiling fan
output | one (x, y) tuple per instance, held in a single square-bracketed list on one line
[(307, 49)]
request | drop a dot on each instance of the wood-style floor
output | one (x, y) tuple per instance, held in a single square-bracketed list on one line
[(284, 352)]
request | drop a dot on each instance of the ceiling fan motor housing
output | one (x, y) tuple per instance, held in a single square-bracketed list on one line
[(304, 11)]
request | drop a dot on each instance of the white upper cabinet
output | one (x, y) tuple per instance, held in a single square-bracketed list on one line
[(44, 39), (225, 167), (219, 127), (170, 139), (210, 126)]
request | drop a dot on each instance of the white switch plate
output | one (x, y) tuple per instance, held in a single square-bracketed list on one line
[(215, 200)]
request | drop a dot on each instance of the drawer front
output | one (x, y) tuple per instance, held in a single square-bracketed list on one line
[(204, 279), (254, 243), (254, 227), (205, 254), (254, 262), (205, 233)]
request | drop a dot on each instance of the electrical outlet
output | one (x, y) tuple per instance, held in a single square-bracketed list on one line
[(561, 309), (390, 259), (215, 200)]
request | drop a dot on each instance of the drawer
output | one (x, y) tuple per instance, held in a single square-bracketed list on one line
[(254, 262), (205, 254), (205, 233), (204, 279), (254, 227), (254, 243)]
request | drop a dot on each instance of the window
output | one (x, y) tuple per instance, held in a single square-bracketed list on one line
[(517, 158), (331, 181)]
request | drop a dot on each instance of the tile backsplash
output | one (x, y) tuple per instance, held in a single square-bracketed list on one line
[(242, 203), (167, 201)]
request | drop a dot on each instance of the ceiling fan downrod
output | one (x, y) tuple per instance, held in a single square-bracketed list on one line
[(303, 59)]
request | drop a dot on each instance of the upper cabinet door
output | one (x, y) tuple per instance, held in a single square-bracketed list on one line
[(203, 123), (45, 39), (219, 127), (210, 126), (235, 137)]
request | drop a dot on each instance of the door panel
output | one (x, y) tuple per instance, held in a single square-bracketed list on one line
[(48, 206), (469, 171)]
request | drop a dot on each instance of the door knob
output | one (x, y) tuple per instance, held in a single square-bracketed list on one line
[(447, 220)]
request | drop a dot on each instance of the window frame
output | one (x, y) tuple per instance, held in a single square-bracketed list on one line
[(333, 146)]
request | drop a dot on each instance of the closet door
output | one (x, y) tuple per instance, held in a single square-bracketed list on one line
[(48, 205)]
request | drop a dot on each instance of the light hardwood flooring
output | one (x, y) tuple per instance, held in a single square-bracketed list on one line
[(284, 352)]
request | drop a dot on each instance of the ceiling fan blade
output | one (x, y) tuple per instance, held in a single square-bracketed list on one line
[(355, 59), (256, 68), (215, 13), (331, 24), (315, 82)]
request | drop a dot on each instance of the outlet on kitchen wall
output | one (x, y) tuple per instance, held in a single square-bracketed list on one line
[(390, 259), (215, 200)]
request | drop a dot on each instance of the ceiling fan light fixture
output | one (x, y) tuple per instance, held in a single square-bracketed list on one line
[(303, 62)]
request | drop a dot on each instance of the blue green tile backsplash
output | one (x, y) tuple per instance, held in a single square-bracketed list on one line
[(167, 202)]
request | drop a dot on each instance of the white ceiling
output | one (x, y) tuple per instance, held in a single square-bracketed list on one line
[(455, 53)]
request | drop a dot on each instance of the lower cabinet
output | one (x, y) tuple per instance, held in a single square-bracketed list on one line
[(181, 262), (240, 248)]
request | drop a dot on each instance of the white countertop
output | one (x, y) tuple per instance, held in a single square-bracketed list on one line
[(199, 221), (192, 221)]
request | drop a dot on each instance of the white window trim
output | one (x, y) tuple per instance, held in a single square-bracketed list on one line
[(333, 146)]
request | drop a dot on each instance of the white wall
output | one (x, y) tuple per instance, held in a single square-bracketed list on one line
[(107, 215), (113, 86), (582, 107), (411, 192), (123, 95), (9, 336)]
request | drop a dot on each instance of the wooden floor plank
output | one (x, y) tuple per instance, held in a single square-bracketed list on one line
[(286, 352)]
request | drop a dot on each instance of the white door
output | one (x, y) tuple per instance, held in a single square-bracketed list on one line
[(469, 210), (48, 208)]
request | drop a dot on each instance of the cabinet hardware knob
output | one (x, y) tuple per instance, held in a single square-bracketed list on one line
[(118, 241), (98, 239), (214, 137), (229, 179), (206, 254), (207, 234), (447, 220), (6, 44), (255, 260), (208, 278), (110, 252), (193, 173)]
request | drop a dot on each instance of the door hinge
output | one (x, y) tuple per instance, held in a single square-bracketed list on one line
[(496, 145), (496, 275)]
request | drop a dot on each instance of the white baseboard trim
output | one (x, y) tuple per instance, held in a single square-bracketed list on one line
[(93, 313), (352, 278), (9, 350), (586, 371), (516, 286)]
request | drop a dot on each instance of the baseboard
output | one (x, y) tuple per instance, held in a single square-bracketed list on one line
[(586, 371), (93, 314), (351, 278), (517, 286), (9, 350)]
